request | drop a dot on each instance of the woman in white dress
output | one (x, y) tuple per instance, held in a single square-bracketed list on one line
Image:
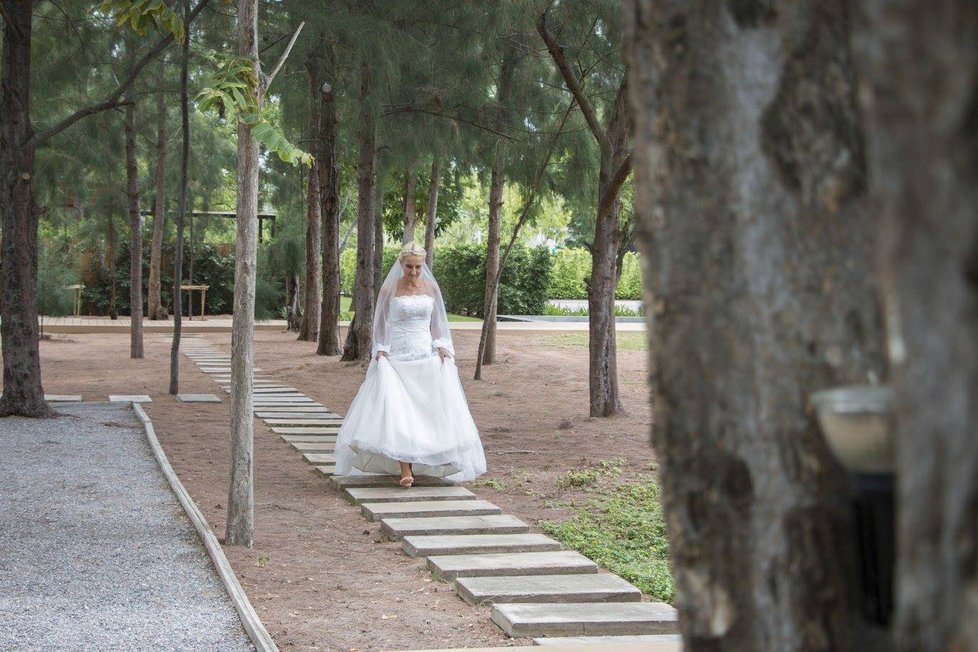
[(410, 415)]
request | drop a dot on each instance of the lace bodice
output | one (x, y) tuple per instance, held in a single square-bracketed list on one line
[(411, 327)]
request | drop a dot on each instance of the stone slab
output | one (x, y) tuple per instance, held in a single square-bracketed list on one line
[(326, 470), (129, 398), (595, 619), (314, 447), (560, 562), (397, 528), (309, 439), (198, 398), (603, 587), (426, 508), (326, 419), (653, 642), (665, 646), (295, 411), (276, 389), (360, 495), (382, 480), (320, 458), (471, 544), (63, 398), (324, 430)]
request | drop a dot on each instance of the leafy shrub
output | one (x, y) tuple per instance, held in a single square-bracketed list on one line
[(54, 274), (572, 268), (523, 285)]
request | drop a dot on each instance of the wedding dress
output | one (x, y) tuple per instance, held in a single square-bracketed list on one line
[(411, 406)]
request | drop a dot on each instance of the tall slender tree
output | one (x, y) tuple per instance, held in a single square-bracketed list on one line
[(359, 338), (309, 329), (614, 169), (154, 300), (329, 198), (410, 202), (22, 390), (431, 214)]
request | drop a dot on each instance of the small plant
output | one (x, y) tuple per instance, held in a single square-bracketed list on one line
[(263, 560), (577, 478), (624, 530), (490, 483)]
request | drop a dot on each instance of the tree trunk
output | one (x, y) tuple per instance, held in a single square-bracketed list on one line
[(491, 299), (497, 183), (758, 241), (154, 304), (315, 228), (181, 211), (111, 253), (431, 219), (309, 328), (602, 345), (379, 231), (410, 207), (241, 495), (359, 338), (293, 311), (22, 391), (136, 241), (615, 166), (329, 195), (921, 109)]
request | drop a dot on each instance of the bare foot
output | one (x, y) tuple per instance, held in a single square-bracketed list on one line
[(406, 481)]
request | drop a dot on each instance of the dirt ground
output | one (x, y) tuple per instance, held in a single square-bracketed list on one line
[(319, 575)]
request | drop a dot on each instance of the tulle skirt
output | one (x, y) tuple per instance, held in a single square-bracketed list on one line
[(411, 411)]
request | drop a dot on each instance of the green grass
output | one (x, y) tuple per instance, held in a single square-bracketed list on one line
[(346, 311), (623, 530), (560, 311), (627, 340)]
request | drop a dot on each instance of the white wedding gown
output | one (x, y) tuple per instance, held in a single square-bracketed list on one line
[(411, 407)]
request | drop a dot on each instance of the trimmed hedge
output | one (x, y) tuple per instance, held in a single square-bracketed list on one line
[(461, 273), (572, 267)]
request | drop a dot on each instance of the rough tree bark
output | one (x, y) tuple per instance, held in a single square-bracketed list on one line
[(181, 208), (22, 391), (112, 250), (431, 216), (379, 184), (315, 229), (920, 101), (154, 303), (241, 495), (615, 166), (410, 206), (360, 336), (136, 238), (758, 243), (329, 196), (497, 183), (293, 311)]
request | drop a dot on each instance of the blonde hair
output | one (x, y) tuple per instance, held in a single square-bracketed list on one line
[(411, 249)]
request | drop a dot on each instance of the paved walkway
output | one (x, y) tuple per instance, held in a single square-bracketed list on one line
[(538, 590), (222, 324), (95, 551)]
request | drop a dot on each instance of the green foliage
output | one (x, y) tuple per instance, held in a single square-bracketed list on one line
[(523, 285), (230, 91), (572, 267), (348, 266), (560, 311), (54, 273), (624, 530), (140, 15), (626, 341)]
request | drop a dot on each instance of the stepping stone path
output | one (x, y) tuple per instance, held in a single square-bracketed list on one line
[(129, 398), (536, 589), (198, 398)]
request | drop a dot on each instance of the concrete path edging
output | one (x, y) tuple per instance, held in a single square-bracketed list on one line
[(249, 617)]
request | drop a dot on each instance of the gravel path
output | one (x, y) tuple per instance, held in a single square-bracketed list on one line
[(95, 551)]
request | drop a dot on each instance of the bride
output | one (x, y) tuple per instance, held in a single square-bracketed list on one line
[(410, 415)]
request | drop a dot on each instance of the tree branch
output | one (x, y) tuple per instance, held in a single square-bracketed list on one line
[(112, 101), (573, 84), (457, 118), (614, 186), (281, 59)]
